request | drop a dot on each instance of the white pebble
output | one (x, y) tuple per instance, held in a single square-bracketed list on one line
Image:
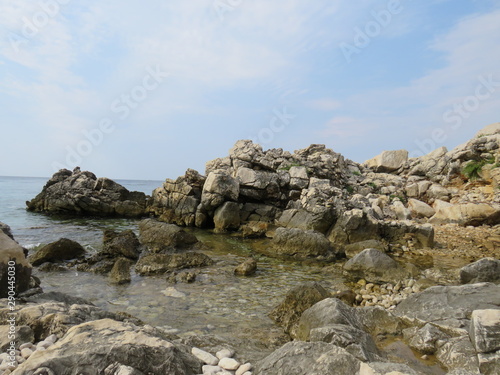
[(205, 357), (44, 344), (244, 369), (229, 364), (26, 345), (52, 338), (26, 352), (211, 370), (225, 353)]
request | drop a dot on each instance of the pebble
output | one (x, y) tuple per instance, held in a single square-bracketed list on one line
[(26, 353), (52, 338), (229, 364), (245, 368), (211, 370), (225, 353), (205, 357)]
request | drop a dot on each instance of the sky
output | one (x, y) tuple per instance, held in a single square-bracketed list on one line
[(145, 90)]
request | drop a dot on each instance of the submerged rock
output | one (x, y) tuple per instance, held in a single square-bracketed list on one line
[(82, 193), (247, 268), (162, 263), (158, 236)]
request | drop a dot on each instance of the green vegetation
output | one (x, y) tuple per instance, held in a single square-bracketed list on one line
[(402, 198), (373, 185), (356, 173), (473, 167), (349, 189)]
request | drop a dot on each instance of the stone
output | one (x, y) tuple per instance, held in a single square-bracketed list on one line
[(309, 358), (297, 300), (301, 244), (485, 330), (161, 263), (388, 161), (489, 130), (230, 364), (63, 249), (483, 270), (375, 266), (227, 217), (420, 209), (205, 357), (23, 334), (120, 273), (317, 218), (225, 353), (123, 244), (355, 248), (244, 368), (458, 353), (354, 226), (12, 259), (402, 213), (466, 214), (83, 194), (219, 187), (158, 236), (6, 230), (424, 339), (254, 229), (386, 368), (247, 268), (356, 341), (86, 349), (449, 307)]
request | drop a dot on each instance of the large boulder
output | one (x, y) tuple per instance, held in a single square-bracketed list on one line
[(420, 209), (301, 244), (93, 347), (297, 300), (158, 236), (227, 217), (375, 266), (82, 193), (449, 307), (120, 273), (161, 263), (467, 214), (388, 161), (15, 270), (354, 226), (63, 249), (485, 336), (219, 187), (121, 244), (483, 270)]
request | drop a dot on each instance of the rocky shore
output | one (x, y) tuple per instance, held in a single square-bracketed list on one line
[(386, 224)]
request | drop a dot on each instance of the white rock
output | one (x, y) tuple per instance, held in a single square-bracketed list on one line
[(172, 292), (229, 364), (44, 344), (51, 338), (225, 353), (4, 366), (205, 357), (211, 370), (26, 345), (247, 373), (26, 352), (244, 369)]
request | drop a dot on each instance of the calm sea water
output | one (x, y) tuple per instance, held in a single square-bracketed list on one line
[(31, 229)]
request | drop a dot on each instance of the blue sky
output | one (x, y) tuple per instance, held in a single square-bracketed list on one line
[(145, 90)]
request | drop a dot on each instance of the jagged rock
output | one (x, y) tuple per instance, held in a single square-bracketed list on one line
[(13, 260), (63, 249), (259, 212), (388, 161), (354, 226), (483, 270), (485, 330), (176, 202), (356, 341), (468, 214), (414, 236), (402, 213), (375, 266), (161, 263), (386, 368), (301, 244), (355, 248), (297, 300), (254, 229), (424, 339), (458, 353), (309, 358), (219, 187), (82, 193), (85, 348), (120, 273), (227, 216), (247, 268), (124, 244), (420, 209), (6, 229), (23, 334), (158, 236), (449, 306)]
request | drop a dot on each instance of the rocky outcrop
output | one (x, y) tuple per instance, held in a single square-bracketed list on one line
[(83, 194), (98, 346), (15, 270), (63, 249), (388, 161), (467, 214)]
